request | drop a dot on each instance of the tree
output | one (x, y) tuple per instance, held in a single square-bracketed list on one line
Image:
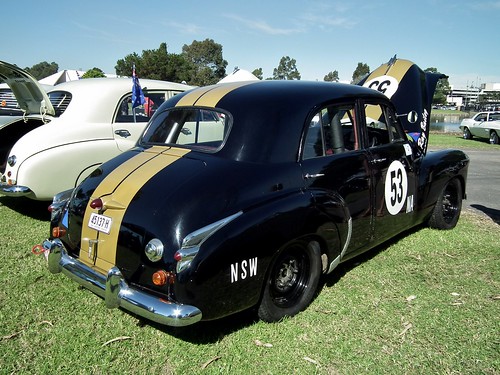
[(205, 62), (286, 69), (124, 66), (258, 73), (94, 73), (332, 76), (361, 70), (442, 88), (155, 64), (43, 69)]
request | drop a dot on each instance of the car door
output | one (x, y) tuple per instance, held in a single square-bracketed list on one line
[(336, 171), (477, 128), (391, 162)]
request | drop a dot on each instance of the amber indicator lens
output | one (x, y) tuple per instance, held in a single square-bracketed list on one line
[(160, 278), (58, 232)]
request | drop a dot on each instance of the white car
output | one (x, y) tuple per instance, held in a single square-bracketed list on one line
[(58, 138), (482, 125)]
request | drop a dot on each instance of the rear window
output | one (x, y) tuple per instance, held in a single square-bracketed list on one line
[(60, 101), (198, 128)]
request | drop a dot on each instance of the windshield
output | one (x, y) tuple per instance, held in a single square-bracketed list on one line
[(197, 128)]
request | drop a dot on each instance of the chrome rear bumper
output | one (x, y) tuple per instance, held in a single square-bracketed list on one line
[(115, 290)]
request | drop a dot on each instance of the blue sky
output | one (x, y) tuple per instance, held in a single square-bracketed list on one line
[(459, 38)]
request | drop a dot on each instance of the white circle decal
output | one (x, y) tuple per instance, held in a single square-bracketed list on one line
[(396, 187), (387, 85)]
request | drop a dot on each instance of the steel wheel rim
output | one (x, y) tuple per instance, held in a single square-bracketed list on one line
[(450, 204), (290, 277)]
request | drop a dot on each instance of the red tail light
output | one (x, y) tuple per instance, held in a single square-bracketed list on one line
[(96, 204)]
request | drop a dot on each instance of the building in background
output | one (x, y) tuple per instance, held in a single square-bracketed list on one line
[(486, 97)]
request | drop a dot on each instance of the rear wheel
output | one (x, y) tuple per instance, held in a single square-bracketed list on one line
[(494, 138), (448, 206), (292, 281), (467, 133)]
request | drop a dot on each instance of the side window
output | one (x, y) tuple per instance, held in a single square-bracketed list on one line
[(481, 117), (331, 131), (381, 125), (141, 113)]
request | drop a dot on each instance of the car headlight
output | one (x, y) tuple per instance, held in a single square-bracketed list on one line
[(11, 160), (193, 241), (154, 250)]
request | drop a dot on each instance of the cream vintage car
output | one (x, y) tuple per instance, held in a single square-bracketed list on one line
[(482, 125), (58, 138)]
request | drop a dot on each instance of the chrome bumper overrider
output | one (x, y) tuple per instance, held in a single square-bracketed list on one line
[(14, 190), (115, 291)]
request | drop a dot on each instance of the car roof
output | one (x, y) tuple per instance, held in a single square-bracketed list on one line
[(269, 116), (96, 99)]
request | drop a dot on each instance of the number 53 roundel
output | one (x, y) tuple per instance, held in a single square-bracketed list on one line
[(396, 187)]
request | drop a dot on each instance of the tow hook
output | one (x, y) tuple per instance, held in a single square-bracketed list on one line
[(39, 250)]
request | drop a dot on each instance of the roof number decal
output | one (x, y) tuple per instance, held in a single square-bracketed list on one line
[(396, 187), (387, 85)]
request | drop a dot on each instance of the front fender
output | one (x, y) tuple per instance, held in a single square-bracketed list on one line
[(436, 169)]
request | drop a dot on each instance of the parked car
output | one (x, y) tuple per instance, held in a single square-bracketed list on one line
[(243, 195), (482, 125), (56, 139), (19, 117)]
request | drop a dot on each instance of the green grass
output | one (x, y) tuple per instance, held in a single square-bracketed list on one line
[(427, 302), (455, 140)]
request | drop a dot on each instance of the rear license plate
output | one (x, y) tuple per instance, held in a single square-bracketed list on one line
[(100, 222)]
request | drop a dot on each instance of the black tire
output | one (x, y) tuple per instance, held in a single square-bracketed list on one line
[(467, 133), (448, 206), (292, 281), (494, 138)]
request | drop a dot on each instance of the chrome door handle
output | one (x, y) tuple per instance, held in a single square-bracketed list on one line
[(316, 175), (375, 161), (123, 133)]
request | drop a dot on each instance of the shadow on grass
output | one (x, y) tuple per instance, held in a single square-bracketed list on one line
[(35, 209), (491, 212), (208, 332), (345, 267)]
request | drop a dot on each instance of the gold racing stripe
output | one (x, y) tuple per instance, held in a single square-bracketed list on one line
[(98, 249), (396, 70), (191, 97), (211, 95)]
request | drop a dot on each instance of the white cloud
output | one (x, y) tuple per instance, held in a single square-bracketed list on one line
[(263, 26)]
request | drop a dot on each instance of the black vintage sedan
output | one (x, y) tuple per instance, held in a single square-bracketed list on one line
[(244, 194)]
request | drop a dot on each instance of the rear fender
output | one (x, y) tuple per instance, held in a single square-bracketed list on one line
[(234, 261)]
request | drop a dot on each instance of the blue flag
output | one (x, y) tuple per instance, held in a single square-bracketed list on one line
[(137, 94)]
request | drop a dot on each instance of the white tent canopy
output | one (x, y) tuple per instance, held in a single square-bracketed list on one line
[(62, 76), (239, 75)]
